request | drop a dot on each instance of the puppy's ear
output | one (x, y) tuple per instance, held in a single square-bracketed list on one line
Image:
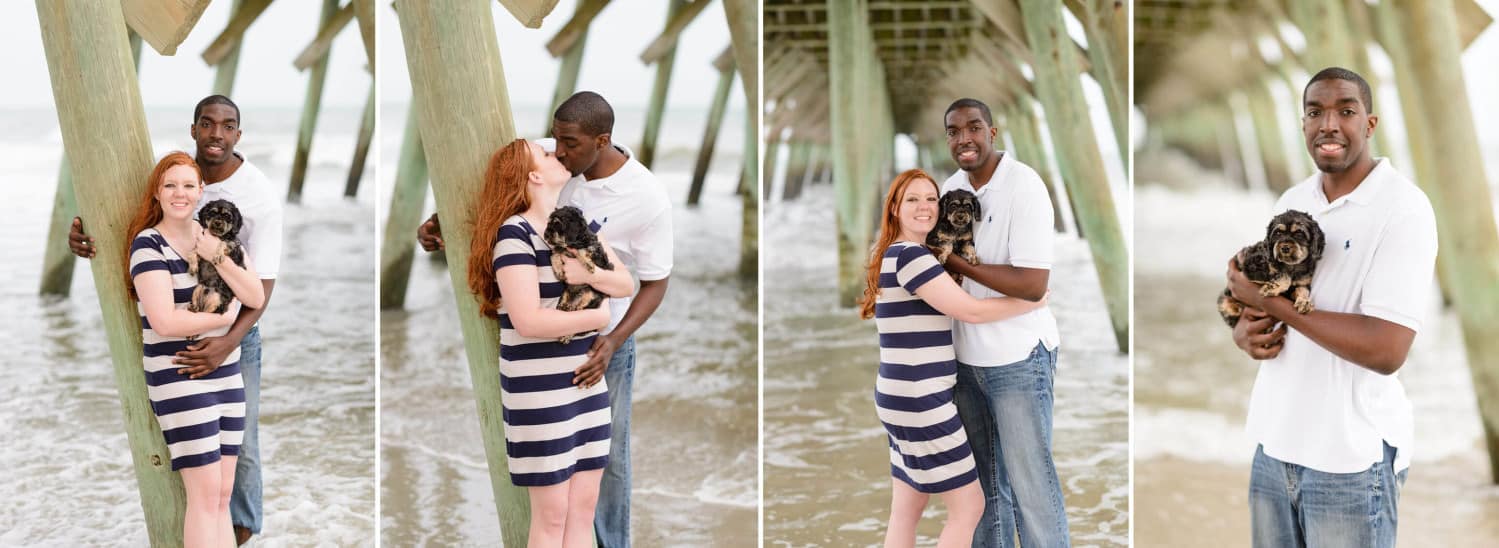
[(978, 209), (1319, 240)]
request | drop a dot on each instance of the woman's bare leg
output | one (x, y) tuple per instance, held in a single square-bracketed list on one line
[(548, 515), (965, 505), (200, 527), (582, 497), (226, 488), (906, 505)]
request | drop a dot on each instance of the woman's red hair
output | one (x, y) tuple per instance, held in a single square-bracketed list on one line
[(889, 231), (148, 213), (504, 195)]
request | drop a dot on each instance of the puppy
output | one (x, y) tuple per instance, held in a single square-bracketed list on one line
[(1282, 263), (212, 294), (958, 211), (569, 236)]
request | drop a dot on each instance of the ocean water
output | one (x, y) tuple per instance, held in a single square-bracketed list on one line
[(693, 430), (1192, 384), (827, 479), (64, 458)]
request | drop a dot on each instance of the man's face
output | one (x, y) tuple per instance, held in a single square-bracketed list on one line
[(216, 131), (970, 138), (1336, 125), (576, 149)]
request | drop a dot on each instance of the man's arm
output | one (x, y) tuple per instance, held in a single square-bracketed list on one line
[(1026, 283), (204, 356), (645, 303), (1369, 342)]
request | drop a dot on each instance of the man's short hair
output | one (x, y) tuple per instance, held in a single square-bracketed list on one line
[(216, 100), (971, 103), (589, 110), (1340, 73)]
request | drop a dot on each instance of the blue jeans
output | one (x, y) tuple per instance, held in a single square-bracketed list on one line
[(1006, 411), (1292, 505), (245, 504), (611, 519)]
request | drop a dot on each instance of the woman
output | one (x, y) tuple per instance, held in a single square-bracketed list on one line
[(914, 302), (201, 418), (556, 436)]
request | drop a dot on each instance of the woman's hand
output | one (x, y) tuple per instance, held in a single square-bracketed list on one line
[(207, 245), (575, 273), (603, 312)]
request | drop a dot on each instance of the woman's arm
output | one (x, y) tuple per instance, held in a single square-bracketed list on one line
[(241, 280), (522, 298), (614, 283), (154, 287), (945, 296)]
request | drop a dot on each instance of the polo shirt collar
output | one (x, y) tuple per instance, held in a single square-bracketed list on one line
[(1367, 190), (610, 183), (965, 184)]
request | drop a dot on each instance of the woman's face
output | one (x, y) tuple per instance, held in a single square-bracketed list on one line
[(917, 211), (546, 165), (179, 192)]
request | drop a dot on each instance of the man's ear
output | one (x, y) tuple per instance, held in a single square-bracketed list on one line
[(603, 140), (1373, 123)]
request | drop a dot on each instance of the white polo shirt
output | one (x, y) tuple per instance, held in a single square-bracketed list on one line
[(1310, 407), (1015, 228), (632, 211), (250, 191)]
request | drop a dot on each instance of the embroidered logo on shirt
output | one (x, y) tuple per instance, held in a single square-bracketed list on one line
[(1347, 244), (596, 226)]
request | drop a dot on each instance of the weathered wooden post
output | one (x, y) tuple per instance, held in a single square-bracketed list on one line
[(310, 107), (1061, 95), (725, 65), (87, 50), (646, 154), (1459, 195), (406, 199), (1108, 66), (223, 79), (463, 109), (772, 156), (744, 33), (569, 44), (1269, 136), (796, 169), (362, 148), (1028, 149), (57, 260)]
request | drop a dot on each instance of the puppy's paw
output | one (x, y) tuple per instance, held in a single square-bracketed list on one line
[(1304, 306)]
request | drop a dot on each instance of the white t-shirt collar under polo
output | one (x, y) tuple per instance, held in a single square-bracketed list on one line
[(1309, 406)]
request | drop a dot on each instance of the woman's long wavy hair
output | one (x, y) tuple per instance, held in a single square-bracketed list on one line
[(889, 231), (148, 213), (504, 195)]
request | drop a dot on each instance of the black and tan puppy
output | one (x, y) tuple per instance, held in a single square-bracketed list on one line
[(212, 294), (958, 211), (569, 236), (1282, 264)]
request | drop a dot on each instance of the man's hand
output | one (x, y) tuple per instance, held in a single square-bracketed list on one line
[(429, 234), (592, 370), (1253, 334), (78, 242), (1243, 290), (204, 356)]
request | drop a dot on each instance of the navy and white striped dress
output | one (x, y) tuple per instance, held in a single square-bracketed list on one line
[(552, 427), (201, 418), (914, 394)]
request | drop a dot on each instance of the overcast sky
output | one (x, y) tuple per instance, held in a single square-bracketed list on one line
[(266, 76)]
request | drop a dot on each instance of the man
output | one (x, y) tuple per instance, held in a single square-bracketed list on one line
[(1332, 421), (1005, 369), (229, 176), (632, 212)]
